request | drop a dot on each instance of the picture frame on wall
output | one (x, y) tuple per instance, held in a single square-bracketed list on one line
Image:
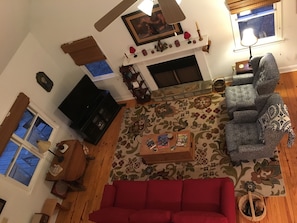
[(145, 29)]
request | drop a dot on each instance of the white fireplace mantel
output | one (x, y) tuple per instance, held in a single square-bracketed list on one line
[(172, 53)]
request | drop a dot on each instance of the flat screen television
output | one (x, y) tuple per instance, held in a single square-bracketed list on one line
[(81, 101)]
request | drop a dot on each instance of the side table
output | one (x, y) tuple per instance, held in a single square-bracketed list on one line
[(243, 67), (73, 165)]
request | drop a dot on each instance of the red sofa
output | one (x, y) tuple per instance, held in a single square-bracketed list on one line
[(167, 201)]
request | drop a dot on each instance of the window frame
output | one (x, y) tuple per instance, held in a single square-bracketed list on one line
[(101, 77), (23, 143), (262, 41)]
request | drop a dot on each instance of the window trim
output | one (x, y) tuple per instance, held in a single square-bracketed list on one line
[(32, 149), (264, 41)]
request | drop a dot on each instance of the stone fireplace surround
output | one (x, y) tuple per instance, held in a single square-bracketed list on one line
[(185, 49)]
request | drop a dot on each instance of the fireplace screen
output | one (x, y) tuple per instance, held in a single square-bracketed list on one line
[(174, 72)]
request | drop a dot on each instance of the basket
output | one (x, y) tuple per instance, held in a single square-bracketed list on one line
[(250, 197), (219, 85)]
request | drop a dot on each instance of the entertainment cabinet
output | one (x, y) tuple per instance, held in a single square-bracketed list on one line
[(93, 127), (91, 110)]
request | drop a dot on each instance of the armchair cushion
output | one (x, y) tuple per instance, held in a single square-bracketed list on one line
[(241, 134)]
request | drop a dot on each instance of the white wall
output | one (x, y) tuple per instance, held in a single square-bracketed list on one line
[(14, 23), (19, 76), (55, 22)]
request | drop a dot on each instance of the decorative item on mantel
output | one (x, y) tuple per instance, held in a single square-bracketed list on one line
[(206, 47), (132, 51), (187, 36), (198, 31), (177, 43), (161, 46)]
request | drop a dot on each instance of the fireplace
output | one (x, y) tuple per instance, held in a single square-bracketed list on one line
[(184, 50), (175, 72)]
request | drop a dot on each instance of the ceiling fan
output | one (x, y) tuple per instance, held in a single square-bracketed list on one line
[(170, 10)]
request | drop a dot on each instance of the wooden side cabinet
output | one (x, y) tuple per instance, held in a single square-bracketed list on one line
[(135, 84), (243, 67)]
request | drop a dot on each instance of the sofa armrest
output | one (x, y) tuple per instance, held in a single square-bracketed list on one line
[(228, 201), (243, 79), (108, 197)]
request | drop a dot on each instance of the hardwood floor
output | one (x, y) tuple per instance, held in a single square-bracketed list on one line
[(279, 209)]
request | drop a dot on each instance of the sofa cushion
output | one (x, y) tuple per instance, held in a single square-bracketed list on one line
[(164, 194), (202, 195), (111, 215), (151, 216), (198, 217), (130, 194)]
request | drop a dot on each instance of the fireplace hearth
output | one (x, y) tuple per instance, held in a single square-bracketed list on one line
[(175, 72)]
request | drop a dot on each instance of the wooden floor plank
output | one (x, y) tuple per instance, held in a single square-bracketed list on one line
[(279, 209)]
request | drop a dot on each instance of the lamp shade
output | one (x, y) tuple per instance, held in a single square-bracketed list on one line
[(248, 37), (43, 146)]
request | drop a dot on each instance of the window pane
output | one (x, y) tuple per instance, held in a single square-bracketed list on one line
[(24, 167), (261, 20), (99, 68), (7, 156), (24, 124), (40, 131)]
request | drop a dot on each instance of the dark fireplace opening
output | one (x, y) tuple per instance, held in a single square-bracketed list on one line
[(174, 72)]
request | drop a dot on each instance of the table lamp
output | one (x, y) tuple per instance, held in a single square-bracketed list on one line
[(44, 146), (249, 39)]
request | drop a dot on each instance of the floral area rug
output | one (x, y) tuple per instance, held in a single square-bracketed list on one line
[(205, 116)]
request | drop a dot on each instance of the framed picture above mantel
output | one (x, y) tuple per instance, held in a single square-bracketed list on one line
[(145, 29)]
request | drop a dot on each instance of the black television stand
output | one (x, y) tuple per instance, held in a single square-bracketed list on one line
[(93, 127)]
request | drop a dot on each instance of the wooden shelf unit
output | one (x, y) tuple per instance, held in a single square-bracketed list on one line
[(135, 84)]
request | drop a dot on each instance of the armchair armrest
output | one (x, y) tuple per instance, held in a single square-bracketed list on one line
[(246, 116), (243, 79), (251, 148)]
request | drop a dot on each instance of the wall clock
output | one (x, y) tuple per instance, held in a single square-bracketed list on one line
[(44, 81)]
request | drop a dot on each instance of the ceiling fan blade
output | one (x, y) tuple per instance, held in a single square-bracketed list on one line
[(171, 11), (108, 18)]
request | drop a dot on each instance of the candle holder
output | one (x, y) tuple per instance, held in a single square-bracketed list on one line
[(200, 37), (198, 31)]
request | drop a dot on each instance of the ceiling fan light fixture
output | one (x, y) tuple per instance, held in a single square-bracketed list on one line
[(146, 6)]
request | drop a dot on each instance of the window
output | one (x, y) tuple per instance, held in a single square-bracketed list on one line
[(21, 157), (265, 21), (87, 54), (98, 70)]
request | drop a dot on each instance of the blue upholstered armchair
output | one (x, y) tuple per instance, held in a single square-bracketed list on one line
[(246, 87), (254, 134)]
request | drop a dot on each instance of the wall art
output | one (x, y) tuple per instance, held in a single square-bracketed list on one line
[(145, 29)]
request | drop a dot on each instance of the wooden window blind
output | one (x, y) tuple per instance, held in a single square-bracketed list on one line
[(83, 51), (12, 119), (237, 6)]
